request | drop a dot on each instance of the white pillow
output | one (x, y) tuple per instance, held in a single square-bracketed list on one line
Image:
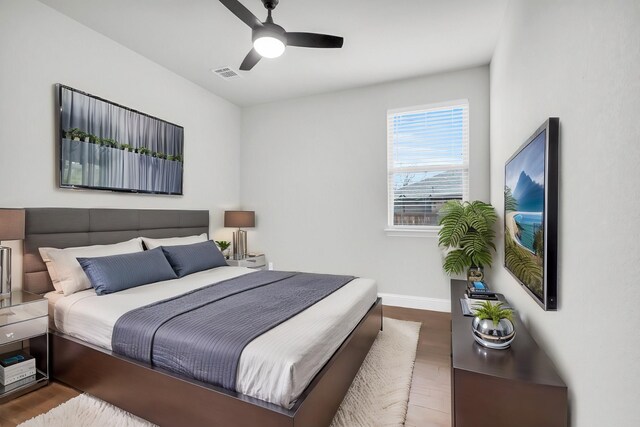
[(65, 271), (173, 241)]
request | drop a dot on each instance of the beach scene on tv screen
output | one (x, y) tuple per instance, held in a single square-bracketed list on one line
[(524, 215)]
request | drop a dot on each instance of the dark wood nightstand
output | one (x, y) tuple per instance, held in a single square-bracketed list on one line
[(519, 386)]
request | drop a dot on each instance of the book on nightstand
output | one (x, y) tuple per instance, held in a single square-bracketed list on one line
[(480, 290), (19, 383), (16, 366)]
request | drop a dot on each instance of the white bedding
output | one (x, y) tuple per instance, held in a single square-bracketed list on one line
[(275, 367)]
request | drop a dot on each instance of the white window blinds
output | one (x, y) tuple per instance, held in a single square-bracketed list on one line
[(427, 161)]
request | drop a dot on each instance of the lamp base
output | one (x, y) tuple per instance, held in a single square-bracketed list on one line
[(5, 272), (239, 244)]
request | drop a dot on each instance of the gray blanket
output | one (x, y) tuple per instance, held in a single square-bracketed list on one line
[(201, 334)]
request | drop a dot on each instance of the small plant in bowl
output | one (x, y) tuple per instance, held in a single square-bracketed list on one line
[(224, 246), (144, 150), (493, 325), (496, 312)]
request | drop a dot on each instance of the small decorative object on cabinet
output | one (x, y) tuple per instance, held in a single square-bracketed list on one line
[(467, 235), (257, 261), (492, 326), (475, 274), (24, 323)]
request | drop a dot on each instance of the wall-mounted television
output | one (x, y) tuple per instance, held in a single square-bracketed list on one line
[(106, 146), (531, 215)]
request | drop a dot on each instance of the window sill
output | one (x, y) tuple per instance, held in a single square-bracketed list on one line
[(412, 232)]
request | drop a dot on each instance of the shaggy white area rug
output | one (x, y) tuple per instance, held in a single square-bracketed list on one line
[(86, 411), (378, 396)]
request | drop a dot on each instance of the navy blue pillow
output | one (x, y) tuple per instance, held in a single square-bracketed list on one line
[(114, 273), (187, 259)]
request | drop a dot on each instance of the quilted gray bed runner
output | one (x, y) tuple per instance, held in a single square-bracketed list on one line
[(201, 334)]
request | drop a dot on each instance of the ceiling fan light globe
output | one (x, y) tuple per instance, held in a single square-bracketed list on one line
[(268, 46)]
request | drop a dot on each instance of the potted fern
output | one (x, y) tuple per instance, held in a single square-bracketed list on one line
[(466, 235), (493, 325)]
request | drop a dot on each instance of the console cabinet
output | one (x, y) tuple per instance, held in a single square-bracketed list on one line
[(518, 386)]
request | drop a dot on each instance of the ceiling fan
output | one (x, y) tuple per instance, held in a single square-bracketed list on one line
[(269, 39)]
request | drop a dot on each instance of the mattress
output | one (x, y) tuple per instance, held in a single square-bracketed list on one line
[(275, 367)]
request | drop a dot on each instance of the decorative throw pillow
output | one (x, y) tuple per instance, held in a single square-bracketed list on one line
[(65, 271), (115, 273), (187, 259), (150, 243)]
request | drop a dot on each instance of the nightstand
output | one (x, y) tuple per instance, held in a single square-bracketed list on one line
[(257, 262), (24, 325)]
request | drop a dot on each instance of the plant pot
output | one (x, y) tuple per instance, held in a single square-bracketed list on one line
[(490, 335), (475, 274)]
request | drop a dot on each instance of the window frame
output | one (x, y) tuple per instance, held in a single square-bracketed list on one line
[(423, 230)]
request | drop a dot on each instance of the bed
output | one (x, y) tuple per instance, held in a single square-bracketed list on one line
[(329, 339)]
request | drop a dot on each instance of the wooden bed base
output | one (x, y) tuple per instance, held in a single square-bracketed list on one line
[(167, 399)]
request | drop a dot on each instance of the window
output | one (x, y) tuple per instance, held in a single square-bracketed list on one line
[(427, 162)]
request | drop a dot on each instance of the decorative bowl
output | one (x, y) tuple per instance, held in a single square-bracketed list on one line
[(494, 336)]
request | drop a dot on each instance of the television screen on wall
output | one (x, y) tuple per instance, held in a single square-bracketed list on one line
[(106, 146), (530, 217)]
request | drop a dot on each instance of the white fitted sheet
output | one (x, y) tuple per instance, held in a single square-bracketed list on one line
[(275, 367)]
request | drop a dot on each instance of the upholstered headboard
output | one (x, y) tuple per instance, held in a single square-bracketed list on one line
[(68, 227)]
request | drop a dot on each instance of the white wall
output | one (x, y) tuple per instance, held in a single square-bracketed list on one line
[(315, 171), (40, 47), (580, 61)]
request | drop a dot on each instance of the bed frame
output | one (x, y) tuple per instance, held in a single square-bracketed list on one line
[(154, 394)]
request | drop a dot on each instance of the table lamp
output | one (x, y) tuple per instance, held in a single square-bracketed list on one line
[(11, 228), (239, 219)]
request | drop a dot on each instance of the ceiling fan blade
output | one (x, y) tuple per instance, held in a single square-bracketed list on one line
[(242, 12), (250, 60), (314, 40)]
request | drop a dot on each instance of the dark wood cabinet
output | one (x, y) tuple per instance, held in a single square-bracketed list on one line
[(518, 386)]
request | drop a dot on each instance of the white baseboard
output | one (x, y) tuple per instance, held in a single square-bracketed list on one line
[(421, 303)]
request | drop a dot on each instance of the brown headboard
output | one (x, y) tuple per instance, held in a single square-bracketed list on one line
[(68, 227)]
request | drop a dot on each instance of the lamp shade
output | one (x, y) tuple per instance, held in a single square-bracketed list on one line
[(239, 219), (11, 224)]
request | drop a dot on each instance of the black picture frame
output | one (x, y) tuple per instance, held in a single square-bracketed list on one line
[(158, 172), (542, 251)]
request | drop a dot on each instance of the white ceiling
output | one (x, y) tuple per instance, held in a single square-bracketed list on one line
[(385, 40)]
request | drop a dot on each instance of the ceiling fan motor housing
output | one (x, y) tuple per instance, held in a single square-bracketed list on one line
[(270, 30), (270, 4)]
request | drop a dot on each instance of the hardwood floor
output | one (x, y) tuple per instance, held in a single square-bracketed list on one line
[(430, 396), (429, 399), (34, 403)]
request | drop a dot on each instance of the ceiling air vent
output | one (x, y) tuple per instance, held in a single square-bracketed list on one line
[(225, 73)]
